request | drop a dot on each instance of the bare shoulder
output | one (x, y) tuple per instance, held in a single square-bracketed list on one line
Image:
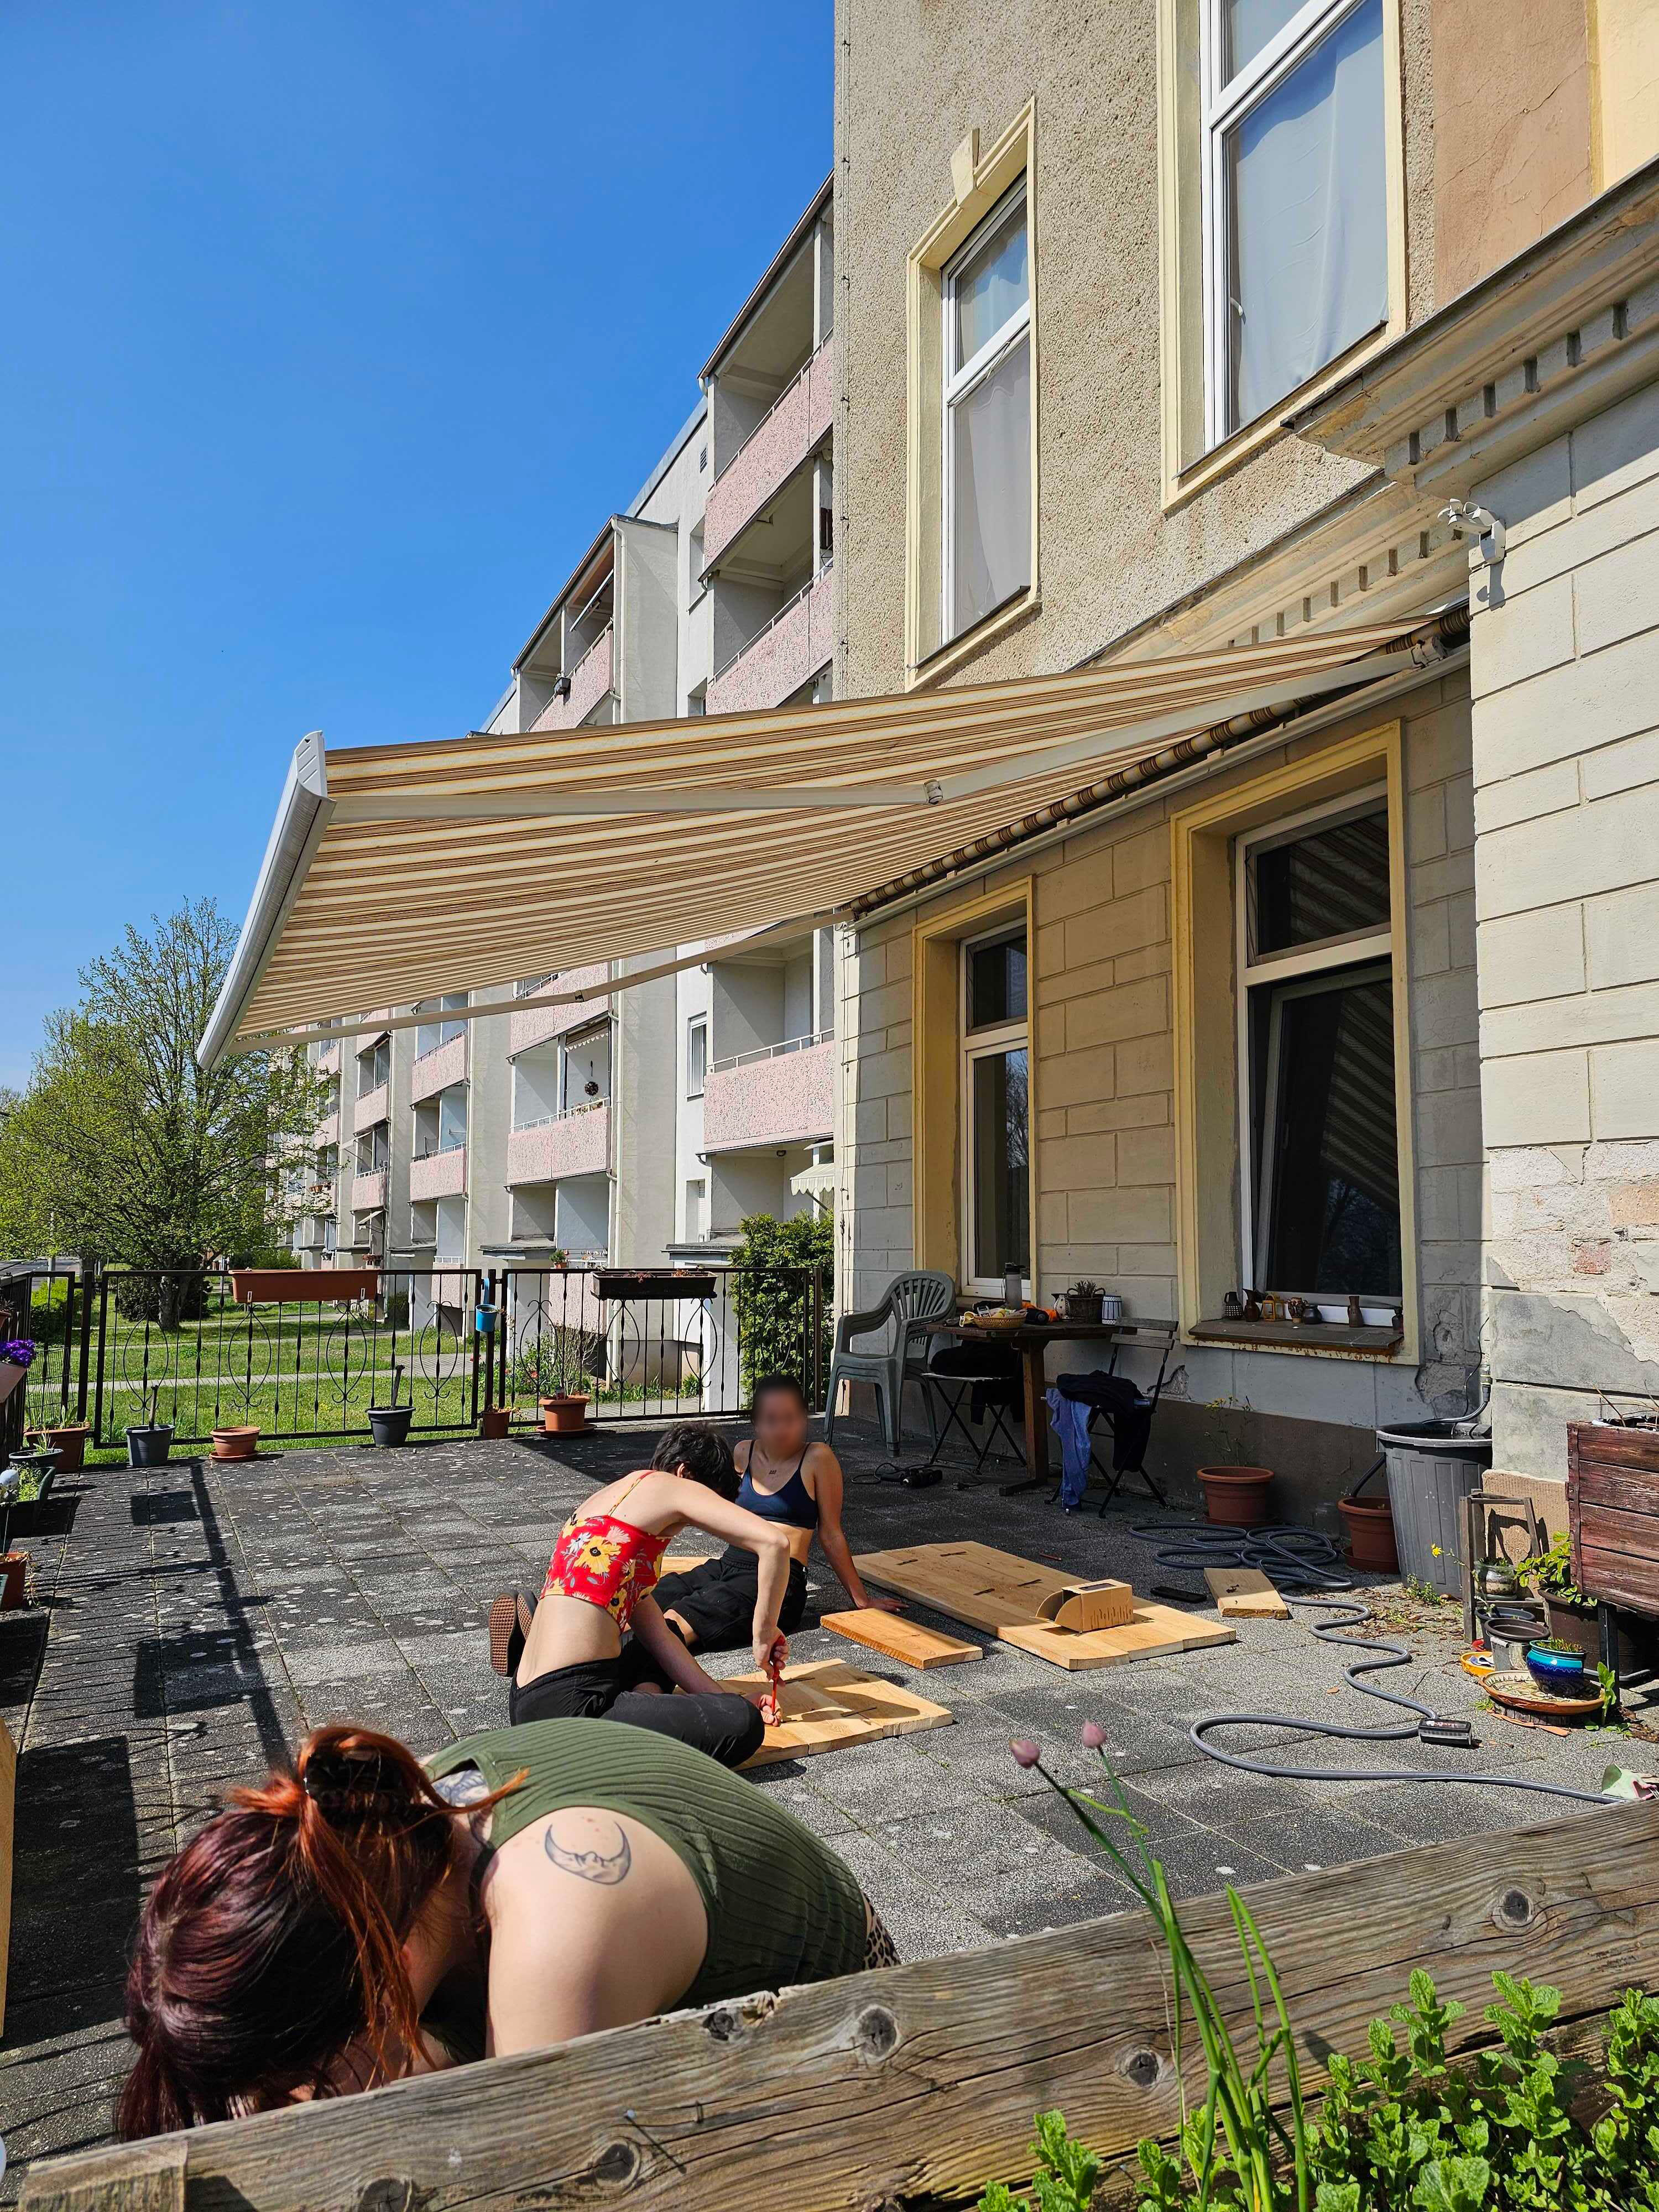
[(821, 1459), (740, 1455)]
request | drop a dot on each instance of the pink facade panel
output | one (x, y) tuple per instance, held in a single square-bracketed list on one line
[(788, 1099), (327, 1131), (590, 679), (536, 1024), (436, 1070), (373, 1106), (576, 1144), (438, 1174), (328, 1060), (368, 1192), (772, 667), (773, 450)]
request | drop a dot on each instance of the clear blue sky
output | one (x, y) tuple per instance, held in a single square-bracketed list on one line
[(333, 332)]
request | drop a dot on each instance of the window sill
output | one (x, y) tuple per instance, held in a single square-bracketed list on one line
[(1333, 1338), (945, 658)]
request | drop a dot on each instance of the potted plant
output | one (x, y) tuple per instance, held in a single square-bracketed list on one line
[(150, 1442), (1571, 1615), (1083, 1301), (565, 1413), (34, 1472), (69, 1441), (1369, 1523), (389, 1425), (494, 1421), (1235, 1493), (14, 1575), (1557, 1667), (236, 1442)]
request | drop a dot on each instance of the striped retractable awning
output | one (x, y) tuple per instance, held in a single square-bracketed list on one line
[(397, 872)]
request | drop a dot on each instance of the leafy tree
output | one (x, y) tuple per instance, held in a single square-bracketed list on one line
[(772, 1294), (122, 1148)]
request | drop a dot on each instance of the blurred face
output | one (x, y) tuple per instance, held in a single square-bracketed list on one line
[(781, 1426)]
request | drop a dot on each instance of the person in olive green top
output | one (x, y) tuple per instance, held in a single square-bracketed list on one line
[(359, 1918)]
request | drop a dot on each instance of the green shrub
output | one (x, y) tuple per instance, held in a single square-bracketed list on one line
[(773, 1295)]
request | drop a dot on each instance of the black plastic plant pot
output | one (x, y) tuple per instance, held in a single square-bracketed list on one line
[(389, 1425), (148, 1446)]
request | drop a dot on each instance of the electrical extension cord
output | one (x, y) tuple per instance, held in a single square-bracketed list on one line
[(1302, 1564)]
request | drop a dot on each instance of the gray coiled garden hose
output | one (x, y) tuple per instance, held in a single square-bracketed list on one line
[(1302, 1564)]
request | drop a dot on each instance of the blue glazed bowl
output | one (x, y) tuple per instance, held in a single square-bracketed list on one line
[(1563, 1672)]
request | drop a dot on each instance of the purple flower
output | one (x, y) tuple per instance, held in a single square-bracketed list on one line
[(19, 1349), (1094, 1735), (1026, 1753)]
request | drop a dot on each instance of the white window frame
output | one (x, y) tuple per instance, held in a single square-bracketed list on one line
[(962, 379), (694, 1023), (1352, 949), (1224, 106), (989, 1043)]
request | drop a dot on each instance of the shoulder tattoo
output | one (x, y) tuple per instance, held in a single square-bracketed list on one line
[(606, 1867), (465, 1786)]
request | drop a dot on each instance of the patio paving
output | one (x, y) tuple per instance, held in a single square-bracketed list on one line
[(193, 1621)]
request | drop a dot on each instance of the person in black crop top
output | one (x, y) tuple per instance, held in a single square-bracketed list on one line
[(787, 1479)]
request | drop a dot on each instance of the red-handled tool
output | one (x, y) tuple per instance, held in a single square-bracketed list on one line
[(771, 1710)]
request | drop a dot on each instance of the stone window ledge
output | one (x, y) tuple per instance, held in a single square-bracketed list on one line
[(1329, 1337)]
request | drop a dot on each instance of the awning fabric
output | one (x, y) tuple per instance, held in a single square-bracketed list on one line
[(397, 872)]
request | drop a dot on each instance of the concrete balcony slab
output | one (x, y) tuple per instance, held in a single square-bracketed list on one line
[(373, 1106), (590, 679), (438, 1174), (787, 1098), (368, 1192), (536, 1024), (436, 1070), (799, 422), (795, 644), (576, 1144)]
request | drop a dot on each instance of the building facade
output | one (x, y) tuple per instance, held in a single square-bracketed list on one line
[(1173, 329), (645, 1120)]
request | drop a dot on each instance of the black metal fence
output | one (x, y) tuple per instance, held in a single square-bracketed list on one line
[(285, 1352)]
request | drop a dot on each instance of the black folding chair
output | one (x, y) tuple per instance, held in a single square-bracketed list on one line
[(1109, 1407), (953, 1375)]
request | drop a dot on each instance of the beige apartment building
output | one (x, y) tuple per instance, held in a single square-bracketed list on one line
[(1186, 328)]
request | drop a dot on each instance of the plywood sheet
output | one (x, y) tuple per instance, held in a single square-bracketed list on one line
[(1245, 1594), (1000, 1592), (904, 1640), (828, 1705)]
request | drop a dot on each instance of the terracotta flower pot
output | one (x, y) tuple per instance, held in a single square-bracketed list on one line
[(71, 1442), (236, 1443), (564, 1415), (1370, 1525), (13, 1572), (494, 1420), (1235, 1497)]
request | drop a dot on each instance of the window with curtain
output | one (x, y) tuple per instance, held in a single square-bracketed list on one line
[(1321, 1185), (1295, 195), (986, 297), (996, 1108)]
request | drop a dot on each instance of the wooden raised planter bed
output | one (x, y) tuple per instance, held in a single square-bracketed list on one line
[(299, 1287), (920, 2081)]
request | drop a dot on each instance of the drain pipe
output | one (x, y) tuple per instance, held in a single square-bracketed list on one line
[(1425, 649)]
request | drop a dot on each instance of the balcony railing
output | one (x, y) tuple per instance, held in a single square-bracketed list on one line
[(590, 679), (792, 428), (440, 1173), (773, 664), (532, 1025), (771, 1051), (782, 1095), (565, 1113), (577, 1144), (438, 1068)]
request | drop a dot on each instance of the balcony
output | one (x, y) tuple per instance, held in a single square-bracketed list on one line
[(327, 1131), (327, 1061), (438, 1174), (436, 1070), (781, 1095), (536, 1024), (574, 1144), (373, 1106), (778, 445), (368, 1192), (589, 680), (776, 661)]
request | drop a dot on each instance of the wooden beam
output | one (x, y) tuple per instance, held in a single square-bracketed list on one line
[(1245, 1593), (921, 2080)]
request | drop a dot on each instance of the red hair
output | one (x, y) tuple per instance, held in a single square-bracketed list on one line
[(275, 1939)]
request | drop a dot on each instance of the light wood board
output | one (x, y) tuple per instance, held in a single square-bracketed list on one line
[(1001, 1593), (1245, 1594), (911, 2083), (904, 1640), (828, 1705)]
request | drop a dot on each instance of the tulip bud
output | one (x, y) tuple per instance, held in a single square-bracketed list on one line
[(1026, 1753)]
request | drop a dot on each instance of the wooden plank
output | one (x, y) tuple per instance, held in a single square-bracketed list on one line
[(1001, 1593), (828, 1705), (7, 1836), (1618, 1578), (1154, 1632), (906, 1641), (1619, 1490), (143, 2177), (1597, 1443), (1245, 1594), (920, 2080)]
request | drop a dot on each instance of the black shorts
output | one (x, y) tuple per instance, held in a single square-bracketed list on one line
[(716, 1600), (722, 1724)]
